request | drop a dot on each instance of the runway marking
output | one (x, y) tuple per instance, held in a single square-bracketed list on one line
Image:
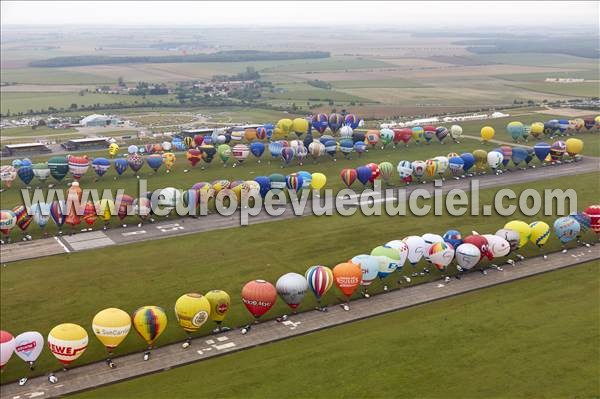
[(200, 352), (221, 339), (166, 228), (224, 346), (210, 341), (133, 233), (62, 244), (291, 324)]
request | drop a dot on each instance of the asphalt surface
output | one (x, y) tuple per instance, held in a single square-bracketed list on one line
[(187, 225), (203, 348)]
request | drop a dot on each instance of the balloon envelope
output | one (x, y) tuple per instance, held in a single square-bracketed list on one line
[(258, 296), (149, 322), (7, 347), (192, 310), (320, 280), (292, 288), (29, 345), (220, 303), (347, 277), (111, 326), (67, 342)]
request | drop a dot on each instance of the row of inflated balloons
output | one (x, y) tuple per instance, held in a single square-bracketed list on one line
[(68, 341), (519, 131)]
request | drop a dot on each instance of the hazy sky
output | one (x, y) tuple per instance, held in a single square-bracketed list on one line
[(290, 13)]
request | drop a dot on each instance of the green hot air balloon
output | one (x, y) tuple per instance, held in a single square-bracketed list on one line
[(224, 152), (59, 167)]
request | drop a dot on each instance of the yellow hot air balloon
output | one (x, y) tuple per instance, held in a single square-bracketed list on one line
[(574, 146), (285, 125), (537, 128), (250, 134), (299, 126), (149, 322), (318, 181), (192, 311), (522, 228), (67, 342), (113, 148), (480, 160), (431, 167), (169, 160), (219, 305), (105, 209), (111, 327), (540, 232), (487, 133)]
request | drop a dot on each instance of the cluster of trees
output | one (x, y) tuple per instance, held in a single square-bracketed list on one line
[(146, 89), (249, 74), (222, 56), (321, 84)]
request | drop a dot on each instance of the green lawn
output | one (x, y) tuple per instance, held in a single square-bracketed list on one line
[(51, 76), (25, 101), (579, 89), (27, 131), (530, 338), (382, 83), (77, 285)]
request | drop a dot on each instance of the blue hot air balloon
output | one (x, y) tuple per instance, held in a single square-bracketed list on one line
[(275, 148), (363, 174), (265, 185), (346, 146), (541, 150), (319, 122), (287, 154), (121, 165), (269, 127), (294, 182), (155, 161), (257, 148), (453, 237), (456, 165), (351, 120), (335, 122), (530, 155), (519, 155), (360, 147), (563, 125), (331, 147), (469, 161), (100, 166), (25, 173), (306, 178), (566, 229)]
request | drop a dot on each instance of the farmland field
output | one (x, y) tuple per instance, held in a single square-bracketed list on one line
[(206, 261), (509, 331), (583, 89)]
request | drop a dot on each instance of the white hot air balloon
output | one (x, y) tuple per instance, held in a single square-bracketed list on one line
[(369, 265), (402, 249), (498, 246), (455, 132), (7, 347), (467, 256), (441, 254), (429, 240), (416, 249), (29, 346), (494, 159), (292, 288)]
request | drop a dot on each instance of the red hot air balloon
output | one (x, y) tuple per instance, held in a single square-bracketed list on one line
[(90, 214), (125, 203), (593, 212), (481, 243), (198, 140), (258, 297), (348, 176), (375, 172)]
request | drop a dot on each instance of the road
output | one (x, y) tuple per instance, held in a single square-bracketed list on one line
[(204, 348), (181, 226)]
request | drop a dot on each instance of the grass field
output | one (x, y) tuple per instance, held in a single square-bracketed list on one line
[(583, 89), (382, 83), (84, 282), (510, 340), (25, 101), (51, 76), (27, 131)]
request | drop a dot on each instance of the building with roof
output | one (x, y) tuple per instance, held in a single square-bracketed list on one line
[(12, 150), (86, 143)]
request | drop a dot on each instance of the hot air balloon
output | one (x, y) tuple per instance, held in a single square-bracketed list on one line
[(593, 212), (540, 232), (405, 135), (386, 136), (265, 185), (73, 202), (257, 149), (89, 214), (515, 129), (8, 174), (369, 265), (557, 150), (441, 133), (23, 220), (441, 254), (511, 236), (8, 220), (480, 160), (566, 229), (335, 122), (192, 311), (346, 133), (169, 160), (405, 171), (58, 211), (287, 154), (294, 182), (292, 288), (418, 133), (320, 280), (41, 171), (100, 166), (431, 167), (29, 346), (59, 166), (25, 173), (428, 133), (467, 256), (220, 303), (111, 326), (300, 126), (574, 147), (537, 129), (456, 165), (7, 347), (113, 149), (67, 342), (275, 148), (346, 147), (363, 174), (469, 161), (135, 162), (240, 152), (277, 181), (541, 151), (331, 148), (418, 168), (149, 322), (121, 165), (258, 297), (519, 155), (319, 122), (481, 243), (522, 228), (352, 120), (416, 249), (78, 165), (154, 161), (453, 237), (455, 132), (375, 172), (388, 259), (494, 160), (41, 215), (348, 176), (372, 137), (386, 170), (193, 156), (429, 239), (487, 133), (497, 245), (347, 277)]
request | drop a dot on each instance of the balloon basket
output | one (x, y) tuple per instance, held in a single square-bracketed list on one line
[(23, 381)]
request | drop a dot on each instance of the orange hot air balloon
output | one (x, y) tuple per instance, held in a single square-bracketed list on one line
[(347, 277), (90, 213), (73, 204)]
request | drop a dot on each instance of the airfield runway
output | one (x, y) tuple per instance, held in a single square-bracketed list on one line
[(203, 348), (181, 226)]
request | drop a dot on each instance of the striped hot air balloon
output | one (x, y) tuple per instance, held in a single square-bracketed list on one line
[(348, 176), (320, 280), (78, 165)]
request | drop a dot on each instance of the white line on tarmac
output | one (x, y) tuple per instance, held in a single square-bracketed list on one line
[(62, 244)]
